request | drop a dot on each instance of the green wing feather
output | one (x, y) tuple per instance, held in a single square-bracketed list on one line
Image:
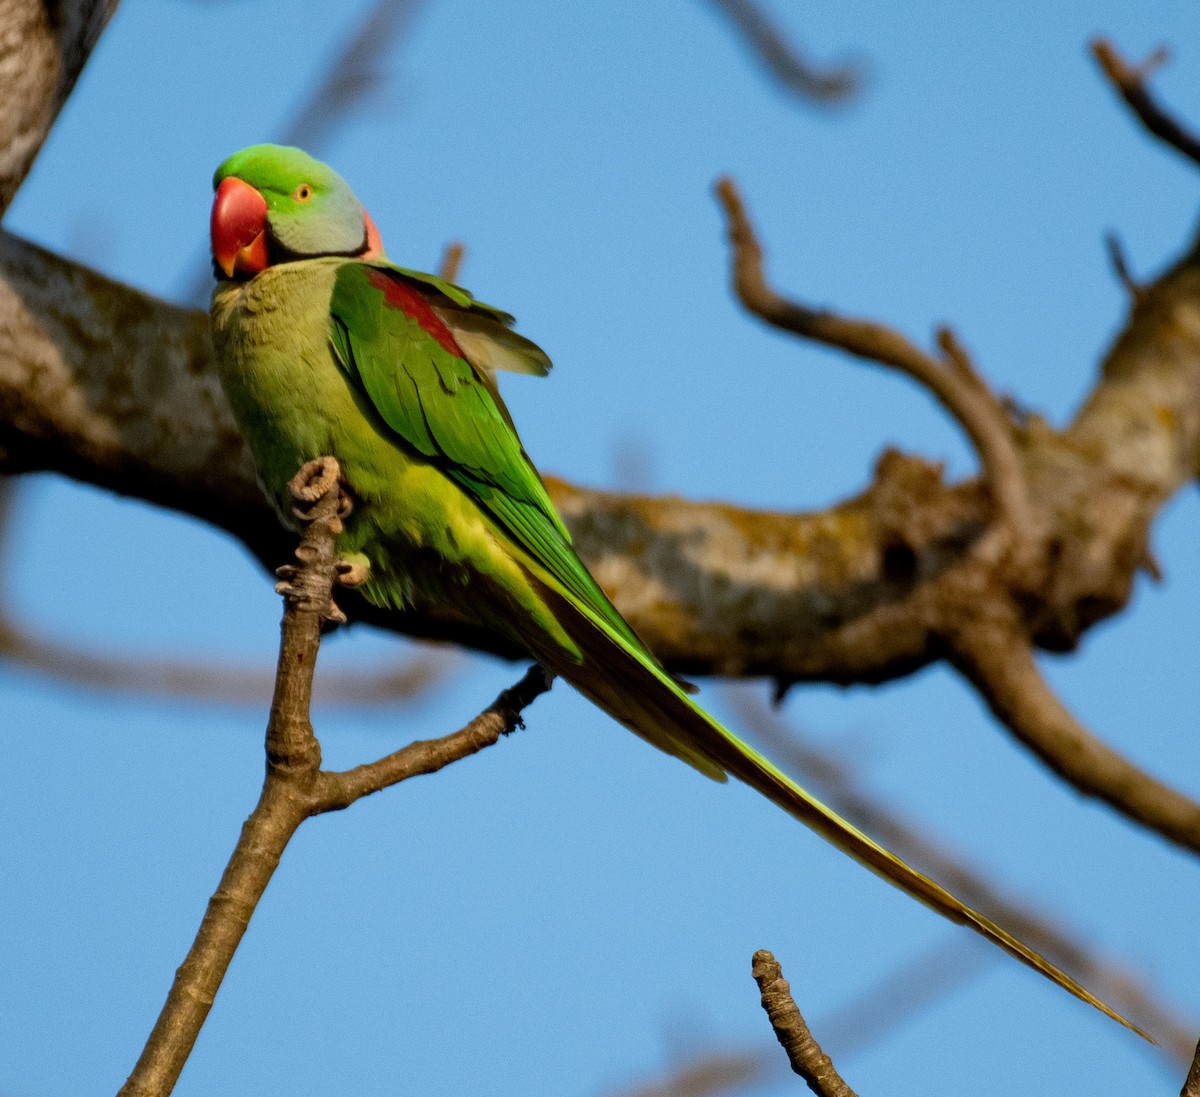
[(447, 409), (484, 332)]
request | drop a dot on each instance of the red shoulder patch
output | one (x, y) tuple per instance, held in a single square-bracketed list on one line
[(407, 300)]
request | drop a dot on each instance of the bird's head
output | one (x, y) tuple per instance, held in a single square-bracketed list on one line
[(275, 204)]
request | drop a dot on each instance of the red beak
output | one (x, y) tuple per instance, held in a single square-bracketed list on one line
[(239, 228)]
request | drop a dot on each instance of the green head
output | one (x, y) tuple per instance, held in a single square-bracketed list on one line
[(275, 204)]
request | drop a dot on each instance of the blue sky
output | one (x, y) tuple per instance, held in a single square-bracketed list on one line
[(573, 912)]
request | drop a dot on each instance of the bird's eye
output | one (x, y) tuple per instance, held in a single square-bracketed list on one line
[(302, 193)]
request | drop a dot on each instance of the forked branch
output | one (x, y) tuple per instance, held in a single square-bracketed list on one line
[(1130, 82), (952, 379), (295, 787)]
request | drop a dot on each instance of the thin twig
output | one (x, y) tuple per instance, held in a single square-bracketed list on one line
[(354, 74), (339, 790), (831, 86), (921, 981), (1130, 82), (1120, 266), (952, 380), (803, 1052), (295, 788), (213, 683), (904, 993), (293, 761)]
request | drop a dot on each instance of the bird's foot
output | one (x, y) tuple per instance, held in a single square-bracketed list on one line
[(352, 570), (313, 482), (288, 574)]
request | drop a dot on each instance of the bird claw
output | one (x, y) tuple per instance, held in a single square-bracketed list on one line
[(352, 571), (286, 586), (296, 592)]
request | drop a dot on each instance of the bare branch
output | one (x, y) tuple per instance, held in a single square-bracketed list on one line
[(994, 655), (803, 1052), (1130, 82), (831, 86), (295, 787), (107, 385), (215, 683), (112, 387), (293, 761), (952, 381), (923, 980), (1120, 265), (42, 52), (902, 994), (501, 717)]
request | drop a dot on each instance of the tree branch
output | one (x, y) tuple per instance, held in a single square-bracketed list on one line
[(42, 51), (503, 716), (223, 683), (1130, 82), (952, 381), (803, 1052), (994, 655), (295, 787), (830, 86), (707, 1075), (452, 260)]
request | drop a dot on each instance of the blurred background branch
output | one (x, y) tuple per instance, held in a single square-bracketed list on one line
[(823, 85)]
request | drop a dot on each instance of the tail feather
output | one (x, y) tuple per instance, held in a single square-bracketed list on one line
[(629, 684)]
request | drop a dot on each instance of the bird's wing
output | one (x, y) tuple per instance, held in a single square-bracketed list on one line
[(391, 342), (483, 332)]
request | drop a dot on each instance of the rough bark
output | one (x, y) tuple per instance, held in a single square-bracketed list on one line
[(43, 45)]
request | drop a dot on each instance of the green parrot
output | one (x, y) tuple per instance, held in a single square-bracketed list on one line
[(327, 348)]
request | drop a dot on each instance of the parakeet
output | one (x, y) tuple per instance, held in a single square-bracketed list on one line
[(327, 348)]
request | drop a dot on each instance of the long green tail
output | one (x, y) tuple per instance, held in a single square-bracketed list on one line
[(624, 680)]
